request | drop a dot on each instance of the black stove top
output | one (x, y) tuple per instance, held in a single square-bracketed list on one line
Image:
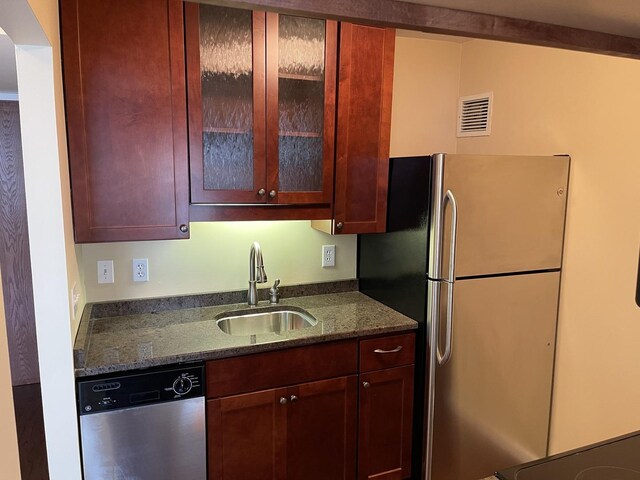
[(616, 459)]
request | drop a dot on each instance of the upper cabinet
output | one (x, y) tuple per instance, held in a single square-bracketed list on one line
[(261, 94), (363, 131), (125, 102)]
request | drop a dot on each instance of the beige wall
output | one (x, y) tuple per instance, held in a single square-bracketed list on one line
[(216, 258), (9, 458), (425, 95), (552, 101)]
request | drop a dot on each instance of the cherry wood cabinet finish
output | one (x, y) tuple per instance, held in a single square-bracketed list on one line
[(364, 127), (302, 432), (447, 21), (279, 368), (125, 99), (326, 194), (321, 429), (246, 437), (198, 192), (209, 213), (266, 130), (385, 424), (15, 260), (387, 352)]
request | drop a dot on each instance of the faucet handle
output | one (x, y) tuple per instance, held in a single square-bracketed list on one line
[(274, 292)]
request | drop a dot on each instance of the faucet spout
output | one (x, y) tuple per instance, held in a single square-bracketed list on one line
[(256, 265)]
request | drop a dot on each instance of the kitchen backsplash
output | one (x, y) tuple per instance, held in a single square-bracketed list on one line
[(216, 258)]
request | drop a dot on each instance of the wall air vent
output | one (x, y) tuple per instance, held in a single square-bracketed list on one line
[(474, 115)]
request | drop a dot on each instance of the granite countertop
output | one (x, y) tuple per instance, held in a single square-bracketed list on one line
[(139, 340)]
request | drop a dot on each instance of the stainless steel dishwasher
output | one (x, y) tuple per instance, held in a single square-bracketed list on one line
[(144, 425)]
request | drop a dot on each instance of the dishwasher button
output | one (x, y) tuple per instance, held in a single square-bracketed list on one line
[(182, 385)]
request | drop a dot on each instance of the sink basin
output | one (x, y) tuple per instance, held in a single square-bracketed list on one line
[(255, 322)]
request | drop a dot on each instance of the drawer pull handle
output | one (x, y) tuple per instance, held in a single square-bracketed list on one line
[(366, 384), (283, 400), (294, 398), (395, 350)]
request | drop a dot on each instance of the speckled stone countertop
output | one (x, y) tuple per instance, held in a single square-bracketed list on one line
[(140, 340)]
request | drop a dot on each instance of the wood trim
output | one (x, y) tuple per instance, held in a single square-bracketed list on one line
[(208, 213), (273, 120), (194, 94), (260, 93), (447, 21), (236, 375)]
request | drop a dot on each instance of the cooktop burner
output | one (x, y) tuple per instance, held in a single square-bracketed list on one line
[(617, 459), (614, 473)]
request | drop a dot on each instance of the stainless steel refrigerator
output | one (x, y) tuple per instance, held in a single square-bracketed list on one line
[(473, 253)]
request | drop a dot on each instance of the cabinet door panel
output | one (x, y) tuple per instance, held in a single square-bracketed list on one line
[(126, 118), (321, 430), (364, 126), (385, 428), (246, 437), (225, 71), (301, 80)]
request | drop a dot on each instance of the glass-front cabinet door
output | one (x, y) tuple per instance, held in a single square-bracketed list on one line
[(261, 91)]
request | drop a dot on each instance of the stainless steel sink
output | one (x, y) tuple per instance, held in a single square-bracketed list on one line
[(255, 322)]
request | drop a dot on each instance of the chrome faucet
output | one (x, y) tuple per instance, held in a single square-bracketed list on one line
[(255, 256)]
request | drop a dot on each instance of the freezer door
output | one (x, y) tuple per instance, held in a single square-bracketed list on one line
[(493, 397), (511, 212)]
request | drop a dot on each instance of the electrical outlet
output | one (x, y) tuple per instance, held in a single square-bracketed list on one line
[(140, 269), (75, 297), (328, 256), (105, 271)]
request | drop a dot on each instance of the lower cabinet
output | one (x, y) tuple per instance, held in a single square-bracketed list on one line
[(385, 424), (331, 411), (302, 432)]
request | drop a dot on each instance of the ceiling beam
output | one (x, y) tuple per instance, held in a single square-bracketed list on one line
[(425, 18)]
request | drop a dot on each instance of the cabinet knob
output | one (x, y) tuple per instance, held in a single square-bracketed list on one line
[(261, 192), (366, 384), (184, 228), (272, 193), (293, 398), (283, 400), (339, 225)]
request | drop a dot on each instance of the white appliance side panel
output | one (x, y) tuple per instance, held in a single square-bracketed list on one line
[(511, 212), (164, 440), (493, 398)]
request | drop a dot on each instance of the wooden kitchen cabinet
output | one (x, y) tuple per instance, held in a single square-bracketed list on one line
[(125, 99), (297, 414), (385, 408), (302, 432), (363, 130), (261, 93)]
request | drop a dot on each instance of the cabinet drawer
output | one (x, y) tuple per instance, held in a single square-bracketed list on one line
[(387, 352), (232, 376)]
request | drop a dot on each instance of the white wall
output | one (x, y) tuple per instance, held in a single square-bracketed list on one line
[(216, 258), (551, 101)]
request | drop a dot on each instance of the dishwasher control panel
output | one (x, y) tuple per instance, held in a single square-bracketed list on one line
[(140, 388)]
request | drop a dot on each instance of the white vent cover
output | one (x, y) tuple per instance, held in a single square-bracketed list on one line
[(474, 115)]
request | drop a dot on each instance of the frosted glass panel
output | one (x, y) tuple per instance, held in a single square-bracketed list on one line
[(300, 166), (227, 94), (301, 47)]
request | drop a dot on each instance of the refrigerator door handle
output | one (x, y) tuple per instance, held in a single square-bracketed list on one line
[(443, 358)]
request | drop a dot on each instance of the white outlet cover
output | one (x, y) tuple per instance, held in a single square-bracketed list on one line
[(328, 256), (140, 270)]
